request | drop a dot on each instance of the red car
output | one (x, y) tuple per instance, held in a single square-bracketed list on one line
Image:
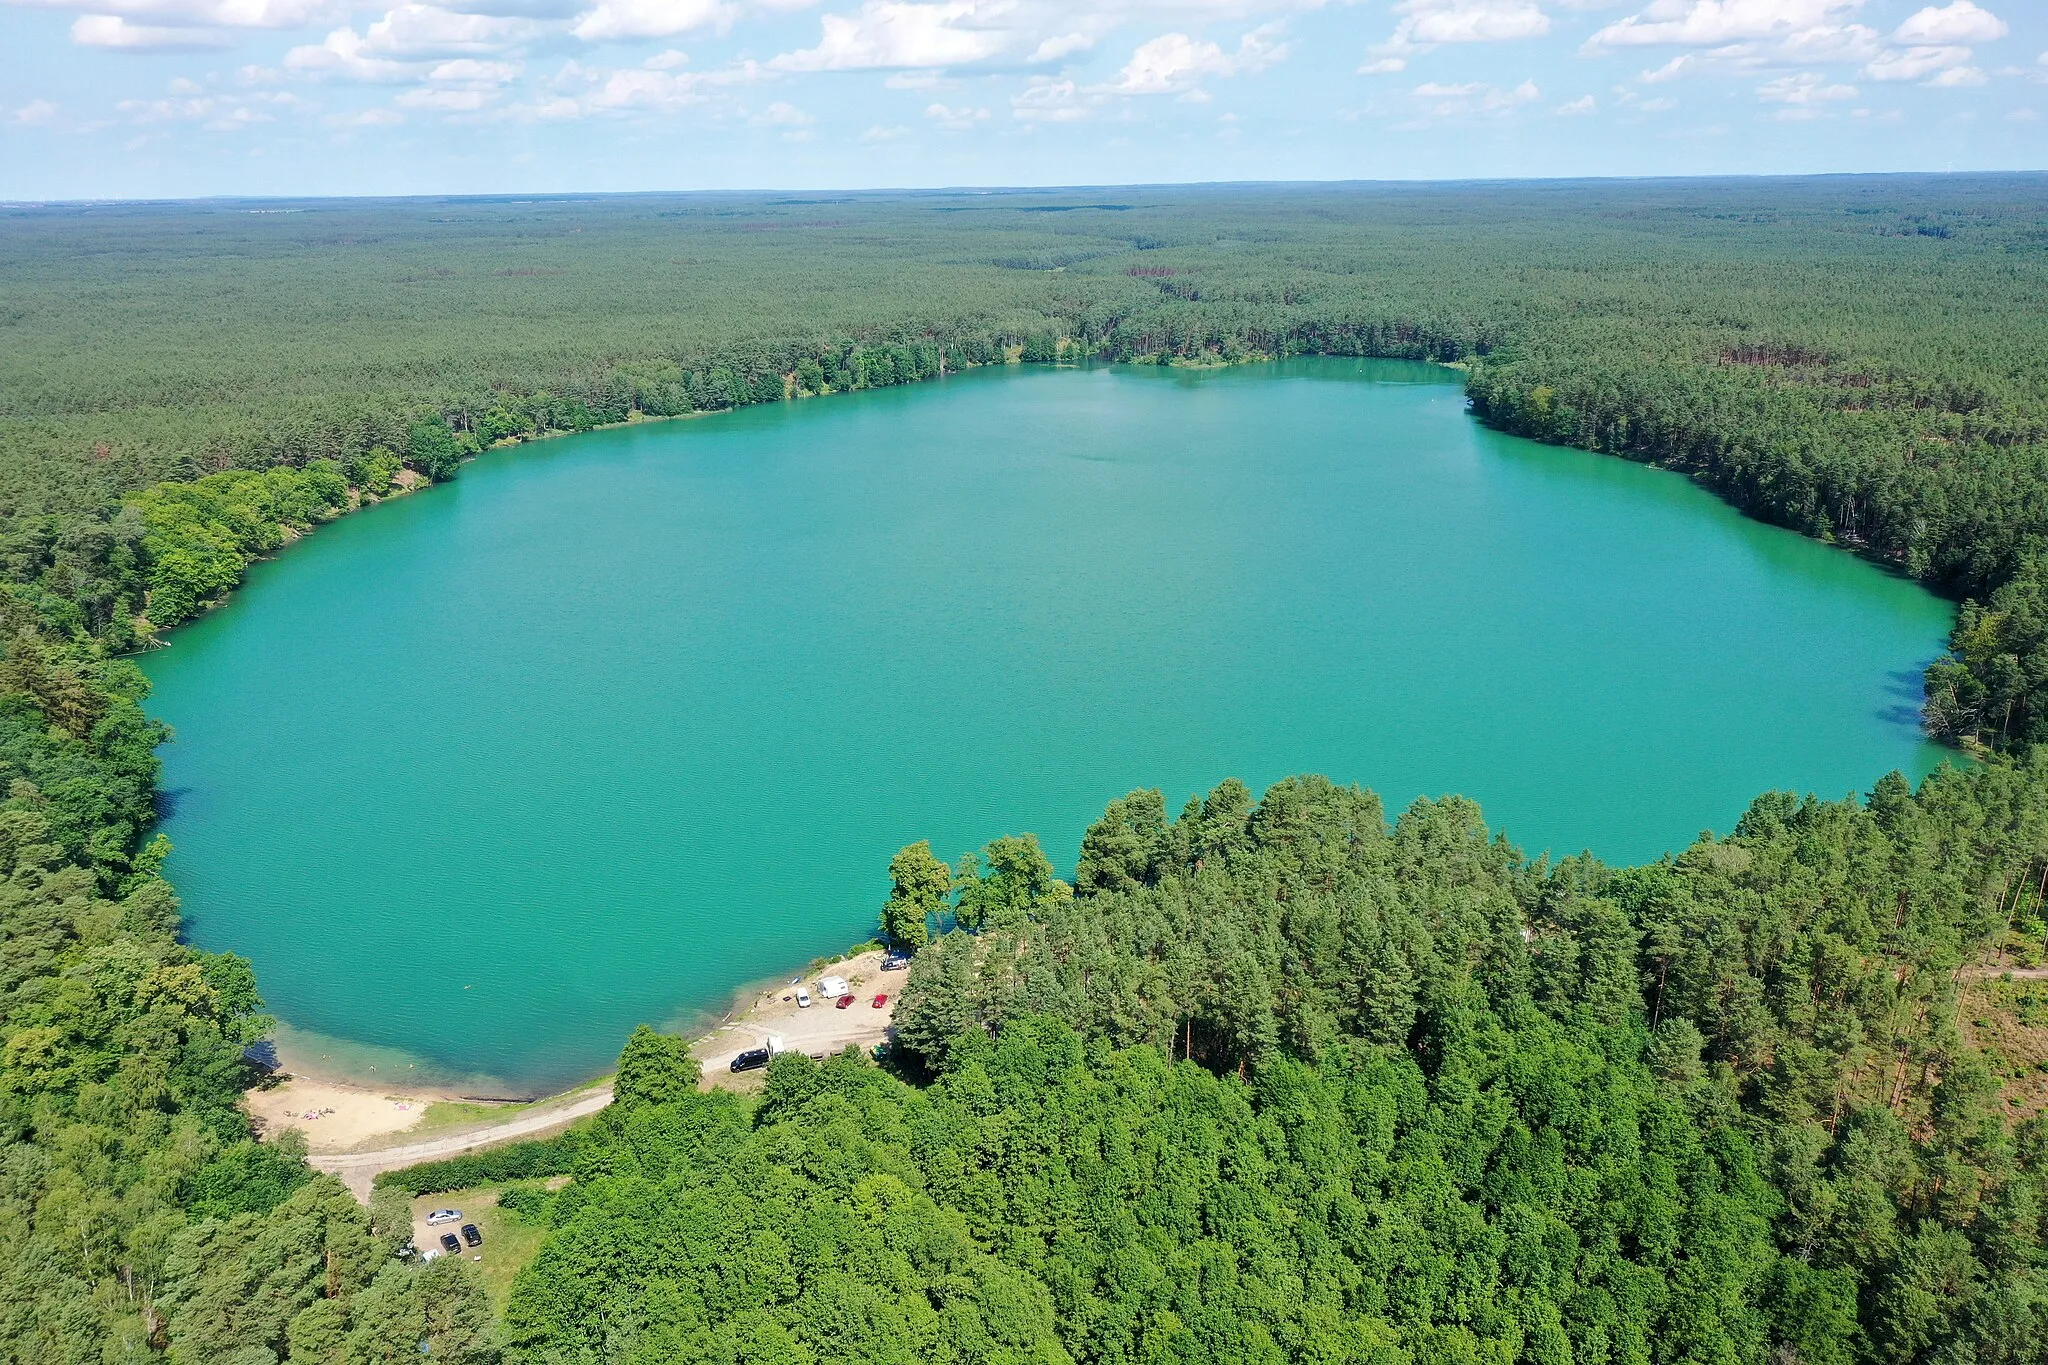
[(844, 1001), (881, 1000)]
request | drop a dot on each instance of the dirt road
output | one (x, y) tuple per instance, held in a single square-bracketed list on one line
[(358, 1169)]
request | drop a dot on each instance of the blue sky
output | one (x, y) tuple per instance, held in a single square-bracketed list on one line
[(131, 98)]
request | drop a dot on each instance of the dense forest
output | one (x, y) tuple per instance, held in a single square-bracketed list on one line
[(1272, 1080), (1863, 359), (1277, 1081)]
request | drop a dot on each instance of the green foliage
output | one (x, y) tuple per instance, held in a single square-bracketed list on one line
[(431, 448), (654, 1069), (516, 1161), (308, 1281), (198, 537), (1789, 992), (919, 885), (247, 1178), (1537, 1197), (529, 1200), (1017, 885)]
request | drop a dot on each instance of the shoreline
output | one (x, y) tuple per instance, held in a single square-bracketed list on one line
[(343, 1113)]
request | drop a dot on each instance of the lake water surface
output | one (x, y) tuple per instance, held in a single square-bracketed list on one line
[(610, 725)]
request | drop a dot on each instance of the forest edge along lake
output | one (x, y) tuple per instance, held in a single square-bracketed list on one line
[(613, 724)]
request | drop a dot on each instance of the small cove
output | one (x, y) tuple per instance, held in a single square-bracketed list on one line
[(610, 725)]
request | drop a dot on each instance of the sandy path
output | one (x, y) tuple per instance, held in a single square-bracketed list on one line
[(358, 1169)]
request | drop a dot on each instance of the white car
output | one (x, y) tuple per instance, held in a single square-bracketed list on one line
[(803, 998), (439, 1216)]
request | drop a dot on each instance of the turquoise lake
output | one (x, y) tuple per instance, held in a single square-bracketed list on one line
[(610, 725)]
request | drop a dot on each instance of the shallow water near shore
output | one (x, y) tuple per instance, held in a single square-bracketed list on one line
[(611, 725)]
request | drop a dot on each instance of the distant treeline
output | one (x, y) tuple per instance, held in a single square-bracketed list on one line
[(177, 546), (1861, 360)]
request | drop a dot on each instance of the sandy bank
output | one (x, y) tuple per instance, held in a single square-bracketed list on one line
[(334, 1117), (358, 1131)]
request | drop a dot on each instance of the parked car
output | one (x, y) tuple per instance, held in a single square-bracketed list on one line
[(439, 1216), (880, 1001), (895, 962), (472, 1234), (450, 1245), (803, 998), (753, 1059), (843, 1001)]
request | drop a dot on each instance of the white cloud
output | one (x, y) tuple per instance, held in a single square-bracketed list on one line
[(661, 91), (345, 54), (1427, 24), (447, 101), (955, 120), (1629, 99), (112, 31), (781, 114), (880, 132), (1175, 64), (1959, 22), (204, 13), (429, 31), (2023, 115), (366, 118), (1911, 63), (1957, 76), (893, 34), (1804, 88), (34, 114), (1472, 21), (1045, 100), (395, 46), (919, 41), (1584, 104), (1711, 23), (1065, 45), (1472, 99), (667, 60), (613, 19), (587, 91), (470, 71), (213, 112)]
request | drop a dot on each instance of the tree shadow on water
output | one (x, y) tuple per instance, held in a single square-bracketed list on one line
[(1904, 696)]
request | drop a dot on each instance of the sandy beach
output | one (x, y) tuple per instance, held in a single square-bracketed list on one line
[(333, 1116), (343, 1117)]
